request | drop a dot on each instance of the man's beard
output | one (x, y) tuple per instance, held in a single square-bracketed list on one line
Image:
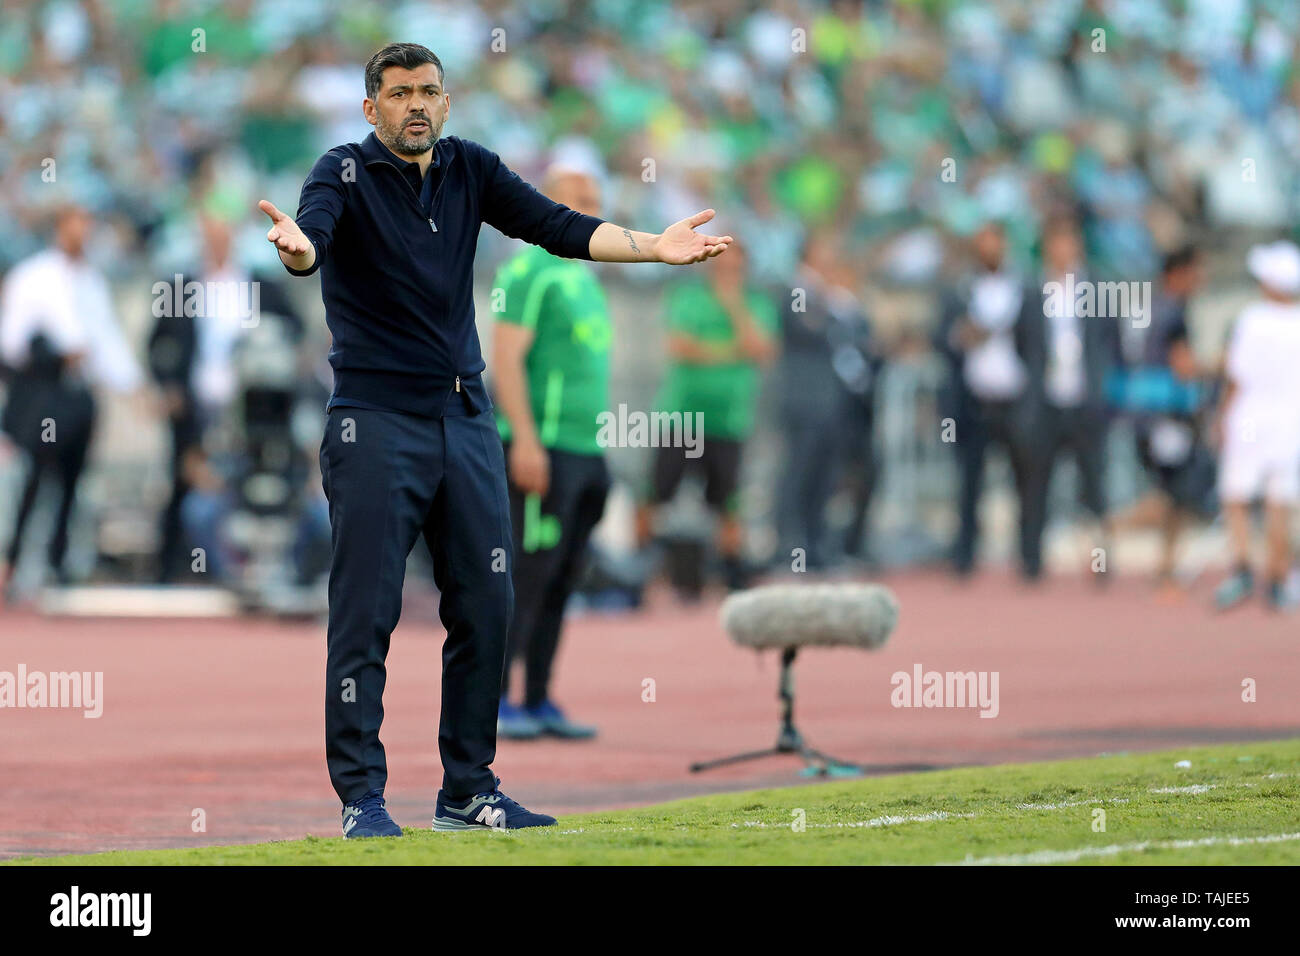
[(397, 139)]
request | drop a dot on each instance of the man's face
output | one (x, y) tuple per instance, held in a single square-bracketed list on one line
[(1185, 279), (409, 110), (1062, 249), (216, 240), (578, 191), (820, 255), (730, 267), (72, 230), (990, 245)]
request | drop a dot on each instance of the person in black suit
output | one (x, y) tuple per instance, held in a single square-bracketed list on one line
[(830, 365), (984, 395), (192, 369), (1067, 354), (171, 359)]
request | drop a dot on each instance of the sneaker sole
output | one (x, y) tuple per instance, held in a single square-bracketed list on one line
[(451, 825), (447, 825)]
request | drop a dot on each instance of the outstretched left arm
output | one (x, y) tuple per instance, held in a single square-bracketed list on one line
[(677, 245)]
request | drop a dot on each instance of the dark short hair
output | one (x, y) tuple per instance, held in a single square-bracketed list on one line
[(406, 55), (1179, 258), (1060, 221)]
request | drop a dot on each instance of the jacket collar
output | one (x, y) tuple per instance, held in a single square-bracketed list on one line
[(373, 151)]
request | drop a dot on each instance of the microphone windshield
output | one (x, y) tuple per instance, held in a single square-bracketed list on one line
[(799, 615)]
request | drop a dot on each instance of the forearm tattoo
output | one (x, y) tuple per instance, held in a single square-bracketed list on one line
[(631, 242)]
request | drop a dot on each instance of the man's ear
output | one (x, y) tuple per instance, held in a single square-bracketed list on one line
[(368, 108)]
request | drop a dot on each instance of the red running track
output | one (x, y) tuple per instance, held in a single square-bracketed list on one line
[(226, 716)]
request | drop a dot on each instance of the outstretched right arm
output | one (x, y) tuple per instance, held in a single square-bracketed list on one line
[(296, 250), (303, 243)]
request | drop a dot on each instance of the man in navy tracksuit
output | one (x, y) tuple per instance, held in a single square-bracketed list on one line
[(411, 445)]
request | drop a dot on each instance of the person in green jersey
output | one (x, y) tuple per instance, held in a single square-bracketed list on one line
[(551, 364), (722, 333)]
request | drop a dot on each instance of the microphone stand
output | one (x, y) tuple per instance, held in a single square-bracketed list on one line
[(790, 741)]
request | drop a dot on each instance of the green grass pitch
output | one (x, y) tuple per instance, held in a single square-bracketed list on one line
[(1236, 804)]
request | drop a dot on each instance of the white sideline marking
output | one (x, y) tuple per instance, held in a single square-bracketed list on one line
[(938, 815), (1190, 789), (1071, 803), (887, 821), (1070, 856)]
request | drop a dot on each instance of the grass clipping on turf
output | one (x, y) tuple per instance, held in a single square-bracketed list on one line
[(1235, 804)]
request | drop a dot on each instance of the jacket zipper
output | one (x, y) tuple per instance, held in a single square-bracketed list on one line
[(433, 204), (416, 196)]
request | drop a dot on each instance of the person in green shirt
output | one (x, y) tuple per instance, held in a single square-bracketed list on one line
[(551, 381), (722, 333)]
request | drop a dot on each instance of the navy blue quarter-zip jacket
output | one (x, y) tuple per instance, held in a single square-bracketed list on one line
[(396, 255)]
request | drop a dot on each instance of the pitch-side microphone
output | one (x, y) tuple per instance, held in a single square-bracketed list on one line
[(808, 615)]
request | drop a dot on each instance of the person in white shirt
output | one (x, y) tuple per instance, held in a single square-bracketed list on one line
[(59, 336), (1260, 423), (191, 356), (1067, 353), (983, 396)]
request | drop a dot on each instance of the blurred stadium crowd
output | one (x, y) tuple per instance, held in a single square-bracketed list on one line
[(863, 144)]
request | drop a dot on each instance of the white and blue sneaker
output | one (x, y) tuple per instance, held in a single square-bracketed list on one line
[(486, 811), (366, 817)]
